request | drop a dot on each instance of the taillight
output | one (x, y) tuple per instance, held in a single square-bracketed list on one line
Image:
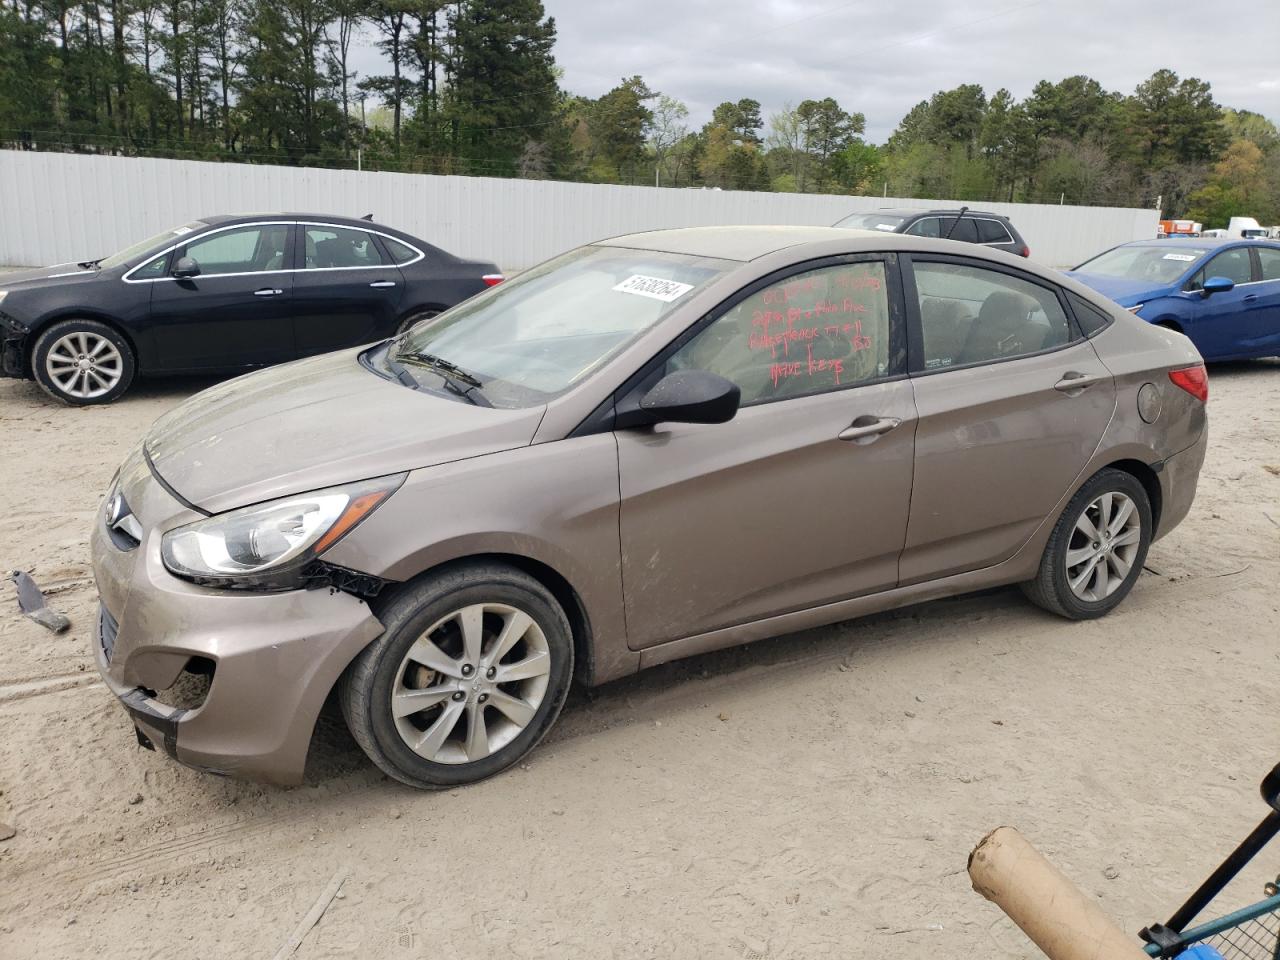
[(1194, 380), (1025, 251), (492, 279)]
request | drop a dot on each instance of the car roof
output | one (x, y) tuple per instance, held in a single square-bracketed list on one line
[(224, 218), (732, 243), (918, 211), (1183, 242)]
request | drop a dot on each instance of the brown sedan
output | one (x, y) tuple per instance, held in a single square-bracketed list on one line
[(648, 448)]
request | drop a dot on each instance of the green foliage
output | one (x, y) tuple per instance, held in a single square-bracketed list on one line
[(471, 86)]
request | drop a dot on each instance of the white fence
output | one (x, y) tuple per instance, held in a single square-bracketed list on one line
[(57, 207)]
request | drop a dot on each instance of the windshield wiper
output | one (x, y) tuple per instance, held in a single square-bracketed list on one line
[(455, 378), (90, 264)]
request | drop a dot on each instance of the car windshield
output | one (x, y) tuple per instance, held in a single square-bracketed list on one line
[(872, 221), (1158, 263), (548, 328), (129, 254)]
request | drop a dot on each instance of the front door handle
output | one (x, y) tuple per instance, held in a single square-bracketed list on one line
[(383, 283), (1251, 298), (268, 292), (1073, 382), (867, 428)]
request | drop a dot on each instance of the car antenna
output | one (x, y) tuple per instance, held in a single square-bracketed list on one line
[(368, 216), (956, 222)]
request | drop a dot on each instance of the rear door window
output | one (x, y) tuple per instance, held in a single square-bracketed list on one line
[(330, 247), (940, 227), (1269, 261), (970, 314)]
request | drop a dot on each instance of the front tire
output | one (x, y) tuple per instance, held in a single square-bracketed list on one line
[(83, 362), (1096, 551), (469, 675)]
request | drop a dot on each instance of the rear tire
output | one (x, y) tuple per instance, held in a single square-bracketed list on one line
[(83, 362), (1096, 551), (427, 701), (417, 317)]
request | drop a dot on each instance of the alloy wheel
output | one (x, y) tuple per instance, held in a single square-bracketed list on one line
[(1103, 546), (84, 365), (471, 683)]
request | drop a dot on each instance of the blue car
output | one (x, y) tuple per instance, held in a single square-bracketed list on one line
[(1223, 294)]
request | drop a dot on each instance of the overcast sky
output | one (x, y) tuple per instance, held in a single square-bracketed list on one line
[(881, 57)]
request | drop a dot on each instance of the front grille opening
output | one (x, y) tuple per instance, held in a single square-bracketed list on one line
[(191, 689)]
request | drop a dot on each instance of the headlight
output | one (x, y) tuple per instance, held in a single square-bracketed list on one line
[(268, 546), (1136, 307)]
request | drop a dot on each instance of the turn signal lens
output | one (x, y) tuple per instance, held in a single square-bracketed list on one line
[(1194, 380)]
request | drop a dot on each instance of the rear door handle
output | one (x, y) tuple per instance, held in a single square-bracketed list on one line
[(867, 428), (1073, 381), (383, 283), (268, 292)]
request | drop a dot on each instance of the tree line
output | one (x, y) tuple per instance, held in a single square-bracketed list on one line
[(472, 87)]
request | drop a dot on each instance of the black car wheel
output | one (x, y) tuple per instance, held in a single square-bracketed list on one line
[(1096, 551), (469, 674), (418, 317), (83, 362)]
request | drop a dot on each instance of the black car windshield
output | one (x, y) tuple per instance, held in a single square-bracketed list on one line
[(1160, 263), (129, 254), (872, 221), (548, 328)]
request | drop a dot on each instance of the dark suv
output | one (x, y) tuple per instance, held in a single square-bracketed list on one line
[(975, 226)]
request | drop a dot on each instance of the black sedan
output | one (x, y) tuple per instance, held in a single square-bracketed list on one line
[(222, 295)]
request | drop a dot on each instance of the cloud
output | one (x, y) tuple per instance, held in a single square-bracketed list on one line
[(881, 58)]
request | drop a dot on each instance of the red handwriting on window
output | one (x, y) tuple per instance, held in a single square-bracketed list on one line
[(789, 291), (780, 371), (822, 365), (857, 282)]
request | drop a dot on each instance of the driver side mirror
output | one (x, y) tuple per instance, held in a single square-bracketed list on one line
[(1217, 285), (692, 396), (185, 267)]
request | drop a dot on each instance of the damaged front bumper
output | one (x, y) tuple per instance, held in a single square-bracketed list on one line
[(272, 657), (13, 344)]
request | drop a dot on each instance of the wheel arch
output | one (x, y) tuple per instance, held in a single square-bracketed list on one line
[(552, 579), (62, 316), (408, 312), (1145, 475)]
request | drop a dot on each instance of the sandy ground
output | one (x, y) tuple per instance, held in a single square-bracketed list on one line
[(812, 796)]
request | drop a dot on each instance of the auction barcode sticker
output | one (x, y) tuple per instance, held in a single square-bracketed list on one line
[(655, 287), (1179, 256)]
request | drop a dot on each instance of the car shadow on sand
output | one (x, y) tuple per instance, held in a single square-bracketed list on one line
[(672, 688)]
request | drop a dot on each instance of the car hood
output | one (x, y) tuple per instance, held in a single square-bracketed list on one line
[(45, 276), (1120, 289), (316, 423)]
